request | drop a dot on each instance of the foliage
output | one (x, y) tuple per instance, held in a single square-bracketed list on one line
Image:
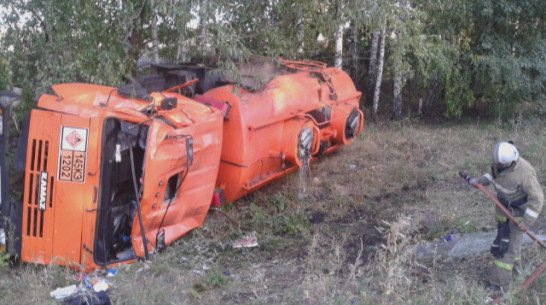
[(485, 52), (509, 57), (48, 42), (5, 77), (496, 52), (4, 260)]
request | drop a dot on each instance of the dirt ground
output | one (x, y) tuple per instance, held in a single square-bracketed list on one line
[(339, 233)]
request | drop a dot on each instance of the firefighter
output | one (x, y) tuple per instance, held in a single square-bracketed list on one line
[(518, 189)]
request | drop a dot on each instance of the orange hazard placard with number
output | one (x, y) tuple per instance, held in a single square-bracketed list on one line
[(72, 166)]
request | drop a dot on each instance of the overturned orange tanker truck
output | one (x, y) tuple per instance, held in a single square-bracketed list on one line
[(114, 174)]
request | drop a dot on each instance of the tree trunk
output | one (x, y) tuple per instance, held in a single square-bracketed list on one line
[(354, 51), (300, 31), (398, 69), (182, 51), (397, 92), (339, 47), (136, 35), (379, 72), (372, 68), (155, 40), (432, 93), (203, 27)]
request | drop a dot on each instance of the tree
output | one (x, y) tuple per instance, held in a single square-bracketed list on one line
[(399, 48), (379, 74), (338, 62), (372, 67), (461, 53), (155, 39), (486, 52), (48, 42), (354, 67)]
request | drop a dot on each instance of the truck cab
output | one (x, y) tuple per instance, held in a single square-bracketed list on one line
[(113, 174)]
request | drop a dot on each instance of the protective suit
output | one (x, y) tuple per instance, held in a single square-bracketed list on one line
[(519, 191)]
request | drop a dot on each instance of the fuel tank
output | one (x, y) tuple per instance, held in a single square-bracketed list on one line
[(305, 110)]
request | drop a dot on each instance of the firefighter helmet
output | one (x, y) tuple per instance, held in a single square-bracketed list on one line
[(505, 153)]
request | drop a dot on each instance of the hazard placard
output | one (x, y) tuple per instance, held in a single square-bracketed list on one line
[(73, 154)]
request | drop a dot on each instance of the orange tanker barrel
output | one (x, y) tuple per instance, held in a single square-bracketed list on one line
[(307, 110)]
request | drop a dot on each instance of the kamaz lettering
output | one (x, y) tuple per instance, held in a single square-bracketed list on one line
[(43, 191)]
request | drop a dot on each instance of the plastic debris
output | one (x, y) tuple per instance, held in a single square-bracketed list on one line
[(198, 272), (2, 238), (111, 272), (248, 241), (100, 286), (63, 292), (97, 283), (450, 236), (462, 245)]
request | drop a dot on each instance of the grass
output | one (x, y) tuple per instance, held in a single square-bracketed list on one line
[(346, 240)]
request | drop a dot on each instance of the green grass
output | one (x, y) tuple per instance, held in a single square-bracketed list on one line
[(347, 240)]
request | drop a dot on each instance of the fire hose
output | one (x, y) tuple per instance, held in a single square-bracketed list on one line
[(504, 210)]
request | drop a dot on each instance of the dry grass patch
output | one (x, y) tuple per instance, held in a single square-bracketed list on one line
[(346, 239)]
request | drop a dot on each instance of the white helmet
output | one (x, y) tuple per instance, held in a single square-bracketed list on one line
[(505, 153)]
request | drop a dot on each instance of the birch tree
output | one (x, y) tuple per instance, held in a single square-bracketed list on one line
[(372, 68), (339, 47), (398, 36), (338, 62), (379, 74), (155, 39), (354, 51)]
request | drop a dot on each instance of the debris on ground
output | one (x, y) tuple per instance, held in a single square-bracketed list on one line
[(248, 241), (63, 292), (91, 290), (450, 236), (89, 298), (111, 272), (461, 245)]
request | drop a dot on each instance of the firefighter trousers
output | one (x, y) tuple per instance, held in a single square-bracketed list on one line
[(500, 273)]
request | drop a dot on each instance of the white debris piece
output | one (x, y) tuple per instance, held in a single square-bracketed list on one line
[(248, 241), (63, 292)]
